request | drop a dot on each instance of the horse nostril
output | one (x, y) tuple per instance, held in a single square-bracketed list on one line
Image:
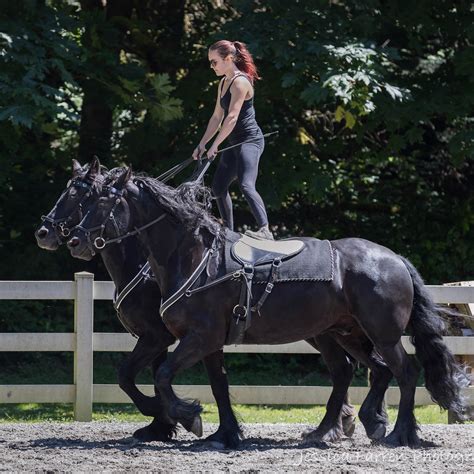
[(42, 233), (74, 242)]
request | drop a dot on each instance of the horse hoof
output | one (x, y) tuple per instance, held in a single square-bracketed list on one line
[(224, 439), (196, 427), (378, 433), (313, 437), (155, 432), (348, 426), (396, 439)]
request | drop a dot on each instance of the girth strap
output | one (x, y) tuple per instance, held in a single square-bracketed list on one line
[(242, 312)]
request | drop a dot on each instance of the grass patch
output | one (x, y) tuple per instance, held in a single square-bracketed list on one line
[(33, 413)]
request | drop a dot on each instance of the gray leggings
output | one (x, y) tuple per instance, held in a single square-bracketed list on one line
[(239, 163)]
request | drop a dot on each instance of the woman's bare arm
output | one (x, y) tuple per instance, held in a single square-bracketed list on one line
[(239, 90), (215, 120)]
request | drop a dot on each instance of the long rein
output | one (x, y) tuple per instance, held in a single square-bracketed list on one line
[(99, 242)]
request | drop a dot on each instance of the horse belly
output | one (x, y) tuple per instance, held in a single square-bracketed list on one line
[(295, 311)]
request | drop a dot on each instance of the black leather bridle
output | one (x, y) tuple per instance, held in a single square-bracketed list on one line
[(61, 225), (100, 242)]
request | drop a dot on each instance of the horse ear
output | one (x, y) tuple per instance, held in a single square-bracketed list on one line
[(94, 168), (124, 178), (76, 168)]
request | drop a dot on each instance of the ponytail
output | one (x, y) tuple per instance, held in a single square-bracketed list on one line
[(242, 57), (244, 61)]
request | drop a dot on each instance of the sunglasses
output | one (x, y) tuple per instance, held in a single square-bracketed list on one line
[(212, 62)]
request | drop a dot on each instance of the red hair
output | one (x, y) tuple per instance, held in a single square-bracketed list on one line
[(242, 57)]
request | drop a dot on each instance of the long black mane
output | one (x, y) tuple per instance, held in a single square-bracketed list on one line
[(189, 202)]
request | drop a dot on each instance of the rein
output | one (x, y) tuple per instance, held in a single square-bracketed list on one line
[(172, 172), (99, 242)]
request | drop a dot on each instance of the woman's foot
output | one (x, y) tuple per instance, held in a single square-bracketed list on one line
[(264, 233)]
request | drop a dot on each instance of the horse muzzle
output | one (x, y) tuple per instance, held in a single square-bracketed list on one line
[(79, 249), (46, 238)]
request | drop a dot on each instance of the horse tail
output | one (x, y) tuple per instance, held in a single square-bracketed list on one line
[(444, 377)]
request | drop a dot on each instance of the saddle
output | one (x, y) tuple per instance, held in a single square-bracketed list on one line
[(260, 261), (248, 250)]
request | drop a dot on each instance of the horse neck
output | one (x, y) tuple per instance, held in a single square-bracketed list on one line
[(174, 251), (123, 260)]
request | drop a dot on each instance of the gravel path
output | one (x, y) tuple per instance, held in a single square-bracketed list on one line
[(107, 446)]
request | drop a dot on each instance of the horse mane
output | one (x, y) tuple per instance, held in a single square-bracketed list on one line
[(188, 203)]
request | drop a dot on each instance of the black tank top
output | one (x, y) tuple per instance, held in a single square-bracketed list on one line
[(246, 127)]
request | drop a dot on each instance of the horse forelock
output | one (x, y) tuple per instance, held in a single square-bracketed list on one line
[(99, 180)]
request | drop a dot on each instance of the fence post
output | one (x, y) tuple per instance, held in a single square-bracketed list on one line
[(83, 355)]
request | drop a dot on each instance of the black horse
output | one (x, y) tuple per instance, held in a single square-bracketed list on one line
[(373, 289), (138, 315)]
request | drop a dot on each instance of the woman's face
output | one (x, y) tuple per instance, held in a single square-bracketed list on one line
[(217, 63)]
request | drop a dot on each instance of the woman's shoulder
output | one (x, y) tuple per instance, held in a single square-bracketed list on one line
[(242, 77), (242, 80)]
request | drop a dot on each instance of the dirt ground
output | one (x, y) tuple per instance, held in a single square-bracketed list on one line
[(107, 446)]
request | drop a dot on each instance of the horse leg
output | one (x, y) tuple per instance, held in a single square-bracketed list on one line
[(229, 432), (406, 372), (156, 430), (191, 349), (142, 355), (339, 418), (372, 413)]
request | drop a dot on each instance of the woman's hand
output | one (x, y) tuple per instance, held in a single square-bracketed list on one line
[(199, 151), (212, 152)]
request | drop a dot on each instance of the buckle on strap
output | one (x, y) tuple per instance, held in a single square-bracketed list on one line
[(248, 269), (269, 287), (239, 312)]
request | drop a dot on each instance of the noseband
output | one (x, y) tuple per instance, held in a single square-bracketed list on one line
[(61, 225)]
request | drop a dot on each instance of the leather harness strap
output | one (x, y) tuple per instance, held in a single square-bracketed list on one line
[(165, 305), (270, 285), (143, 273)]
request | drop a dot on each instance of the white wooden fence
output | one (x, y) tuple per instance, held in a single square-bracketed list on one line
[(83, 342)]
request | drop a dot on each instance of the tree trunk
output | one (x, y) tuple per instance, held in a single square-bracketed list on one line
[(95, 132)]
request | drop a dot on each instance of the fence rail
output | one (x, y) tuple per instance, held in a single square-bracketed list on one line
[(83, 342)]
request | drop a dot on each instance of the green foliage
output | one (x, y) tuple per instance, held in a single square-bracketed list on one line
[(378, 101)]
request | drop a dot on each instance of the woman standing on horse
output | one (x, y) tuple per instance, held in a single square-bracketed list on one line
[(235, 111)]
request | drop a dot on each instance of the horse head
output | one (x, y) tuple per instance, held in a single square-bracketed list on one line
[(107, 218), (70, 208)]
